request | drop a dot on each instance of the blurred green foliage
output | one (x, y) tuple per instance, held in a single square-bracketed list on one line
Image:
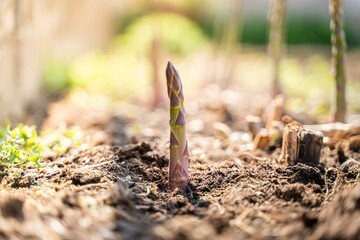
[(55, 76), (310, 87), (176, 33), (300, 30), (114, 75), (125, 69), (315, 30)]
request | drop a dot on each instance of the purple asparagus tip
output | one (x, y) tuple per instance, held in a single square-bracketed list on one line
[(179, 155)]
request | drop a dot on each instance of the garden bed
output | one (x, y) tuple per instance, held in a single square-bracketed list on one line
[(117, 187)]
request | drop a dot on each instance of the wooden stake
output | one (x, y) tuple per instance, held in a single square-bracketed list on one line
[(300, 145), (290, 145), (310, 146)]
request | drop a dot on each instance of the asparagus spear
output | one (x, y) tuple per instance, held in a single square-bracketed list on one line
[(179, 154), (338, 43), (276, 41)]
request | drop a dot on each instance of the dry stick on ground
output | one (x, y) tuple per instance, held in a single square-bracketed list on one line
[(276, 35), (338, 54), (300, 145), (179, 154)]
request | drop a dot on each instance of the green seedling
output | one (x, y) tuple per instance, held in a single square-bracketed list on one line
[(63, 139), (179, 154), (19, 147)]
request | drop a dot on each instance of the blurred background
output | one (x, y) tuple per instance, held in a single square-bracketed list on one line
[(117, 50)]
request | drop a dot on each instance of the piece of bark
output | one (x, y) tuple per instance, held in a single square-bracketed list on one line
[(310, 146), (267, 139), (350, 166), (300, 145), (254, 124), (290, 145), (262, 140)]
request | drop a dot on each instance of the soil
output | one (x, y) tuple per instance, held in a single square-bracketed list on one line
[(117, 187)]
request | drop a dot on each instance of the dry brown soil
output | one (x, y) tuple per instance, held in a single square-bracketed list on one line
[(117, 188)]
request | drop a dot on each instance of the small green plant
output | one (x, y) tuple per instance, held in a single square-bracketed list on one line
[(19, 147), (61, 140), (179, 153)]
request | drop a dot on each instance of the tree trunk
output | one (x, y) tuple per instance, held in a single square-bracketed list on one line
[(338, 54)]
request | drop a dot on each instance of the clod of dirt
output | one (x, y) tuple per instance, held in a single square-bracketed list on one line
[(183, 228), (354, 143), (292, 192), (309, 219), (305, 174), (132, 151), (71, 200), (130, 222), (130, 231), (297, 192), (342, 151), (341, 218), (155, 158), (346, 146), (23, 182), (85, 178), (12, 207), (351, 167)]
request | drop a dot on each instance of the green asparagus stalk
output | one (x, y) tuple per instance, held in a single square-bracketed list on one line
[(179, 154), (276, 39), (338, 55)]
